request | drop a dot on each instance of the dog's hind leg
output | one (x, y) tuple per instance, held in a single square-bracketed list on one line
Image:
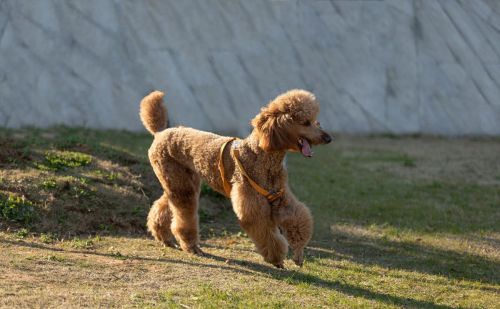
[(182, 189), (185, 221), (159, 221)]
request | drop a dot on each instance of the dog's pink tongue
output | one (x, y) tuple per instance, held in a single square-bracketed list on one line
[(306, 149)]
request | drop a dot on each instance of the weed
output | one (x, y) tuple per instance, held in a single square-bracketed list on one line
[(48, 184), (81, 192), (105, 227), (116, 254), (137, 298), (224, 233), (212, 233), (56, 160), (112, 176), (44, 167), (81, 189), (242, 234), (216, 295), (56, 258), (167, 299), (83, 180), (17, 209), (22, 233), (48, 238), (408, 162), (88, 243), (107, 176)]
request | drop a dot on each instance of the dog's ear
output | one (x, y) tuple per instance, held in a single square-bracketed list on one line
[(274, 130)]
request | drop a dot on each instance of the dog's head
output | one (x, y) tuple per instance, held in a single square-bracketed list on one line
[(289, 123)]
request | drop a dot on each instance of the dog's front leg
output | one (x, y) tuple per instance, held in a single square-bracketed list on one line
[(296, 223), (254, 215)]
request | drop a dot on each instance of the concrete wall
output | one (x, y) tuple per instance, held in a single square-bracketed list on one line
[(399, 66)]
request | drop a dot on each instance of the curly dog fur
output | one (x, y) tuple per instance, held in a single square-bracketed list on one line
[(182, 157)]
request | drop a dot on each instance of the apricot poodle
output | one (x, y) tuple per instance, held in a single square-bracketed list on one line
[(250, 171)]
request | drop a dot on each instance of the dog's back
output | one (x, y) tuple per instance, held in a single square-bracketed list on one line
[(180, 147), (194, 149)]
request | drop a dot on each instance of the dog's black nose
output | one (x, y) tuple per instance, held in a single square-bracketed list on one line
[(327, 138)]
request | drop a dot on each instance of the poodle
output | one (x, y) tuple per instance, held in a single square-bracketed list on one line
[(181, 157)]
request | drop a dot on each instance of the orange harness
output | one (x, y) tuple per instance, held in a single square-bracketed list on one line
[(270, 196)]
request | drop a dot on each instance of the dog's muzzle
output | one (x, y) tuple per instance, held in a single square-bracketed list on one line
[(326, 138)]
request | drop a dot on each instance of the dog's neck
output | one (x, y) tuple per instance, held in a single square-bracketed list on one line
[(271, 161)]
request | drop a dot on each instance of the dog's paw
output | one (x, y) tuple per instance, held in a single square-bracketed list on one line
[(280, 265), (195, 250), (170, 243), (298, 257)]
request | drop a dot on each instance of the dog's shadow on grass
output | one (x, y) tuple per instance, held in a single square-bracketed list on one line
[(387, 254), (250, 268), (392, 255), (406, 255), (403, 255), (297, 277)]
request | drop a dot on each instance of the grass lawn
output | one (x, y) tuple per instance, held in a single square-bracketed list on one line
[(399, 222)]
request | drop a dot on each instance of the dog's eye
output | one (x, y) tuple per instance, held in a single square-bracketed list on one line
[(307, 123)]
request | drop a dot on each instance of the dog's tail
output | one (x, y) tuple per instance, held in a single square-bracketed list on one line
[(153, 113)]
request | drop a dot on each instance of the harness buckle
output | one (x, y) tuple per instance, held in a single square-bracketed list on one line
[(274, 197)]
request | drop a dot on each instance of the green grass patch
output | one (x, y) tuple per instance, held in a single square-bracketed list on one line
[(48, 184), (363, 155), (22, 233), (48, 238), (208, 295), (56, 258), (109, 176), (408, 162), (343, 190), (16, 208), (84, 243), (57, 160)]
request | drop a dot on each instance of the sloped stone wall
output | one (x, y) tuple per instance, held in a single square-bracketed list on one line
[(400, 66)]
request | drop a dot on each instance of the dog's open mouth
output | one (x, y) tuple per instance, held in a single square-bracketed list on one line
[(305, 147)]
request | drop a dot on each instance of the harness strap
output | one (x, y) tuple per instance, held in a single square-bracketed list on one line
[(270, 196), (226, 185)]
